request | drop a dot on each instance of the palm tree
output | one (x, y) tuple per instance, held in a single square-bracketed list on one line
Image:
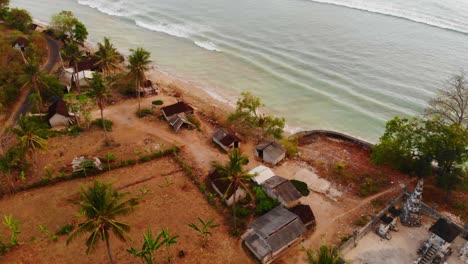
[(31, 137), (139, 63), (100, 204), (234, 173), (108, 57), (325, 255), (34, 78), (99, 92), (73, 53)]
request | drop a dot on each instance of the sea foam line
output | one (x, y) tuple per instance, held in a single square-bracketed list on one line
[(408, 15)]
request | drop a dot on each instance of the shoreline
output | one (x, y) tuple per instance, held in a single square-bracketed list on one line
[(211, 104)]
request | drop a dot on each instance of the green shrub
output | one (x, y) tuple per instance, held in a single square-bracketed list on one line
[(65, 229), (144, 112), (157, 102), (107, 123), (242, 212), (301, 187), (264, 203), (344, 239), (368, 187), (74, 130), (290, 145), (361, 221), (193, 119)]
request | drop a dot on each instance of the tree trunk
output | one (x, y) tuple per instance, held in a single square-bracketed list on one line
[(77, 78), (111, 261), (138, 95), (101, 107), (234, 208)]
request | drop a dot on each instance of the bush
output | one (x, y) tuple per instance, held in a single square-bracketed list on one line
[(19, 19), (157, 102), (107, 123), (242, 212), (192, 119), (144, 112), (290, 145), (74, 130), (264, 203), (301, 187), (65, 229), (368, 187), (361, 221)]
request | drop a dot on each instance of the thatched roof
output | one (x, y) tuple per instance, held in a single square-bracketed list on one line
[(58, 107), (305, 213)]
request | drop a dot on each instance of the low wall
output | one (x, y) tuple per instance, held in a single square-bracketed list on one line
[(434, 214), (337, 135), (371, 226)]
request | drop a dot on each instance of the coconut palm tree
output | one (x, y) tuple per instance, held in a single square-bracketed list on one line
[(234, 173), (108, 57), (139, 62), (324, 255), (101, 204), (100, 93), (34, 78), (73, 53), (31, 136)]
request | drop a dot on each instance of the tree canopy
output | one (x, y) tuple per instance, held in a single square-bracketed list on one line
[(19, 19), (65, 23), (412, 145), (248, 116), (451, 102)]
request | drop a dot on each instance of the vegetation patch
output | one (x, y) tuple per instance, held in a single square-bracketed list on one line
[(157, 102), (264, 203), (107, 123), (301, 187), (144, 112)]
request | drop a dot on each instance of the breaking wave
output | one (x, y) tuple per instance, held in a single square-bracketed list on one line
[(413, 13)]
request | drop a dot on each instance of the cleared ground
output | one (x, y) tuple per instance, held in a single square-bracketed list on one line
[(174, 207)]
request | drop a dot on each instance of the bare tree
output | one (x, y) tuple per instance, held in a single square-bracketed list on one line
[(451, 102)]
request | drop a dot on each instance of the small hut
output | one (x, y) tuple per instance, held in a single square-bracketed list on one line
[(281, 189), (225, 140), (176, 115), (305, 214), (148, 88), (58, 114), (221, 185), (272, 233), (270, 151), (20, 43)]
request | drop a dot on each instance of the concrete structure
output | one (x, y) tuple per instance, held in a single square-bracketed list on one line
[(272, 233), (225, 140), (58, 114), (221, 185), (410, 213), (437, 248), (261, 174), (270, 151), (282, 190)]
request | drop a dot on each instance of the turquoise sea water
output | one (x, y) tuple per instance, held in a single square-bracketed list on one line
[(346, 65)]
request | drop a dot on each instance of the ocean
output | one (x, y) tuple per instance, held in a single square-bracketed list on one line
[(345, 65)]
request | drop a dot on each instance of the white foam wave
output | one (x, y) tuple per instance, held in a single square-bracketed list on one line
[(207, 45), (177, 30), (119, 8), (401, 11)]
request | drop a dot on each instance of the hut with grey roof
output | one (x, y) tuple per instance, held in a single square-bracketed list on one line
[(282, 190), (225, 140), (270, 151), (272, 233)]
